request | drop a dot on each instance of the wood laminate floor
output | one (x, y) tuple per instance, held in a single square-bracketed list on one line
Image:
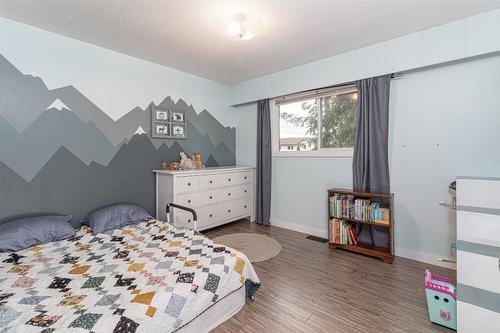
[(309, 288)]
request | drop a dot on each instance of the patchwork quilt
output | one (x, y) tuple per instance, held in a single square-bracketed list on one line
[(149, 277)]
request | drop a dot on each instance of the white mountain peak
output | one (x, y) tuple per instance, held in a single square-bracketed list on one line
[(140, 130), (59, 105)]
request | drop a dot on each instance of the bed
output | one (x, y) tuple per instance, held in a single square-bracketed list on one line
[(147, 277)]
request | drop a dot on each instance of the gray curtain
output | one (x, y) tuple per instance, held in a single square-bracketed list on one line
[(370, 165), (264, 164)]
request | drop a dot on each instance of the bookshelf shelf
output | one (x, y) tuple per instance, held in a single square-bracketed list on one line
[(385, 199), (385, 225)]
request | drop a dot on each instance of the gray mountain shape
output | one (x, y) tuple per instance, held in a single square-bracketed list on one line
[(20, 111), (67, 185), (15, 88), (223, 155), (28, 152), (205, 123)]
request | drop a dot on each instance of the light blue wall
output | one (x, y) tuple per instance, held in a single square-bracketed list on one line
[(444, 122), (244, 118), (123, 83)]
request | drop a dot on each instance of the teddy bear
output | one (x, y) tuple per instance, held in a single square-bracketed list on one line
[(197, 160)]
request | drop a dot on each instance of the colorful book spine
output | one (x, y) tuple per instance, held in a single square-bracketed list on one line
[(341, 232)]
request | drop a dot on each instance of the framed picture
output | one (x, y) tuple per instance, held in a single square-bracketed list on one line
[(178, 131), (161, 115), (168, 123), (177, 117), (161, 130)]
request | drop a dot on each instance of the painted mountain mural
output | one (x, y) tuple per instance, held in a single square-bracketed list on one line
[(60, 153)]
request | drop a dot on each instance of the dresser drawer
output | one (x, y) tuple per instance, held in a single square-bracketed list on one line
[(243, 191), (234, 192), (210, 197), (477, 227), (236, 178), (479, 271), (190, 199), (209, 181), (235, 208), (198, 199), (474, 319), (243, 207), (187, 184), (478, 193), (208, 215)]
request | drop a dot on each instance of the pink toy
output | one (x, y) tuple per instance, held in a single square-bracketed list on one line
[(441, 300)]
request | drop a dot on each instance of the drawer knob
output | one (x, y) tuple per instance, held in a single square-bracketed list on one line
[(245, 191), (189, 221), (229, 210), (245, 206), (189, 184), (211, 182), (229, 179), (229, 194), (245, 177), (189, 200), (210, 215)]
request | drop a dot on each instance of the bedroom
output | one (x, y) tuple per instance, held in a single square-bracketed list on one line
[(249, 166)]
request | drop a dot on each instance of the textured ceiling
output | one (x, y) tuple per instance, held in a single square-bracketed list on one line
[(190, 35)]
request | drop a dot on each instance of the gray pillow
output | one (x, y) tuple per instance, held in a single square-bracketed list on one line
[(20, 234), (115, 217)]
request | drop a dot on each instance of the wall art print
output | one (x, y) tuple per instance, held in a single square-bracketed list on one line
[(168, 123)]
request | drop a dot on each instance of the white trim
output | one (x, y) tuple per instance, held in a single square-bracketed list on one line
[(299, 228), (400, 252), (331, 152), (424, 257)]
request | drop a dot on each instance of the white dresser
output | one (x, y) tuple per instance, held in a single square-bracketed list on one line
[(218, 195), (478, 255)]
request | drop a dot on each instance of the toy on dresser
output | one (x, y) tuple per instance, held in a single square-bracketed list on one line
[(441, 300), (185, 163)]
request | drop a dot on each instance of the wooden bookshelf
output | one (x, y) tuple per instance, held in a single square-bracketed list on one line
[(387, 199)]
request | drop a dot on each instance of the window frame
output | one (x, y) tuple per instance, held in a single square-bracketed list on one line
[(315, 94)]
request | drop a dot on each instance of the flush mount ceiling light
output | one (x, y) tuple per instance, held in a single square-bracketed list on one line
[(243, 27)]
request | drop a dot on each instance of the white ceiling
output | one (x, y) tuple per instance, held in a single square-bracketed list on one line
[(190, 35)]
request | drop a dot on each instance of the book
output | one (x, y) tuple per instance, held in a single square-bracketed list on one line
[(349, 207), (341, 232)]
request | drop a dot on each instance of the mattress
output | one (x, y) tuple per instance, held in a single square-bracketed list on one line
[(149, 277), (217, 314)]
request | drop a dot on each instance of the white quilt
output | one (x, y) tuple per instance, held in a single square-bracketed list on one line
[(149, 277)]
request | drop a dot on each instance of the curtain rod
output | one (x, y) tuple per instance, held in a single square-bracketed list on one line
[(397, 75), (289, 97)]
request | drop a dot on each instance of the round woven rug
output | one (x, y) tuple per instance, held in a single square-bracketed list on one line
[(256, 247)]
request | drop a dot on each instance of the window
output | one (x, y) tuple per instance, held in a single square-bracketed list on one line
[(316, 123)]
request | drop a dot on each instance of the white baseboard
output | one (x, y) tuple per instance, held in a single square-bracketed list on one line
[(400, 252), (299, 228), (424, 257)]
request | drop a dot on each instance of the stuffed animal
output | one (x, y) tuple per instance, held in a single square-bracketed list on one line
[(186, 163), (197, 161), (173, 166)]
